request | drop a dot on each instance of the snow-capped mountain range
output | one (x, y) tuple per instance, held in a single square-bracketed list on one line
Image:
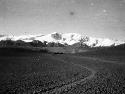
[(66, 38)]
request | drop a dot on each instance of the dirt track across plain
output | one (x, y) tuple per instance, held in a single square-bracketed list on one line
[(69, 86)]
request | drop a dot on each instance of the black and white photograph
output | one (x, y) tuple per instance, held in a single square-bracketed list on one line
[(62, 46)]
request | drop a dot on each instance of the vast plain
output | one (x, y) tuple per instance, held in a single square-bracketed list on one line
[(30, 72)]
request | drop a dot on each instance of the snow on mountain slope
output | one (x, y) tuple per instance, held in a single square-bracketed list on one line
[(48, 38), (27, 38), (68, 38), (5, 37), (71, 38), (99, 42)]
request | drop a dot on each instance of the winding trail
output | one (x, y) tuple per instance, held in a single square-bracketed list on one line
[(67, 87), (73, 60)]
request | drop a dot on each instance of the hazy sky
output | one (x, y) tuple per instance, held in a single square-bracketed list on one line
[(98, 18)]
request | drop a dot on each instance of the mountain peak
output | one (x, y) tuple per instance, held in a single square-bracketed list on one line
[(56, 36), (55, 33)]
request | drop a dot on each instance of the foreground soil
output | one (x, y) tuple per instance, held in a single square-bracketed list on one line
[(37, 73), (60, 74), (108, 79)]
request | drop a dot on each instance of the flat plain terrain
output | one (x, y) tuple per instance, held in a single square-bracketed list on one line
[(41, 73)]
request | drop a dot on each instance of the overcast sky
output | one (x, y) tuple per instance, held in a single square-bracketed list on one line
[(97, 18)]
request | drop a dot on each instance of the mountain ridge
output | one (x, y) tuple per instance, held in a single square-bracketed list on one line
[(66, 38)]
